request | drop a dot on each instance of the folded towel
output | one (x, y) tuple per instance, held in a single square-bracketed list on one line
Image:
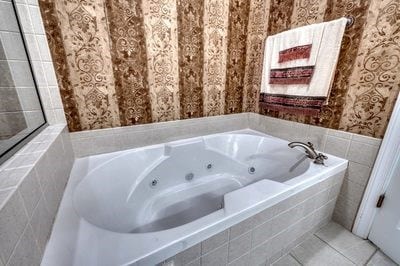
[(301, 45), (293, 53), (291, 75), (302, 97)]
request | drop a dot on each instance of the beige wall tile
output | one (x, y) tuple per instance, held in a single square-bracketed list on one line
[(13, 220), (188, 255), (241, 228), (214, 242), (260, 254), (358, 173), (41, 223), (242, 261), (239, 246), (337, 146), (362, 153), (30, 191), (26, 252), (352, 191), (218, 256)]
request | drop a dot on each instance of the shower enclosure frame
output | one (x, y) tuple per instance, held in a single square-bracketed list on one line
[(4, 156)]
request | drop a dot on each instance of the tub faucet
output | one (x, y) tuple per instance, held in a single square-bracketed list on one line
[(310, 152)]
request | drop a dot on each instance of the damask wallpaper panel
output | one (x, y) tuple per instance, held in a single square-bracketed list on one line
[(256, 33), (236, 62), (280, 13), (374, 83), (86, 43), (332, 113), (58, 53), (308, 12), (191, 59), (125, 62), (160, 19), (129, 60), (216, 14)]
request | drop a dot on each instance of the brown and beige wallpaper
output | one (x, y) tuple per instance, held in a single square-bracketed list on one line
[(367, 77), (126, 62)]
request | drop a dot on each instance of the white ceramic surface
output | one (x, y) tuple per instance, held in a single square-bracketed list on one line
[(110, 213)]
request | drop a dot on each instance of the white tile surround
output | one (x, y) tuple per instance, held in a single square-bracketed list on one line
[(360, 150), (99, 141), (266, 237), (32, 181)]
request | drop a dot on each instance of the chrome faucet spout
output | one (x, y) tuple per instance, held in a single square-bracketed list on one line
[(310, 151), (308, 147)]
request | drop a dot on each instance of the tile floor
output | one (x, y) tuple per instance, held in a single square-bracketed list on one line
[(334, 245)]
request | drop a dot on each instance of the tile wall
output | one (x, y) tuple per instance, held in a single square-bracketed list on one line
[(270, 234), (361, 151), (93, 142), (32, 181), (35, 36)]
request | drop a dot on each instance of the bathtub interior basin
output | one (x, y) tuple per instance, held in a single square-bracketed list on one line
[(168, 185)]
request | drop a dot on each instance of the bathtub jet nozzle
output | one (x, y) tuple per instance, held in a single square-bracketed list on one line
[(189, 177), (252, 170), (153, 183)]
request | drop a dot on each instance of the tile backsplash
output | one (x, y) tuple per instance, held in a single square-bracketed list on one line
[(93, 142), (361, 151), (32, 183)]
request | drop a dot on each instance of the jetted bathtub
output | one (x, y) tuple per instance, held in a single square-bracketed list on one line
[(142, 206)]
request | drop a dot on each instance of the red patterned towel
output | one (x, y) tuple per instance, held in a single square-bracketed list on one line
[(292, 75), (307, 105), (297, 52)]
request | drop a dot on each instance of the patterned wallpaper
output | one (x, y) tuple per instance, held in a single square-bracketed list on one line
[(367, 77), (125, 62)]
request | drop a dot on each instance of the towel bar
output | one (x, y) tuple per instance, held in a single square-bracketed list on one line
[(350, 21)]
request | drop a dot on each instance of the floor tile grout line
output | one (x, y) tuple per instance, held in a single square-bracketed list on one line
[(373, 254), (290, 254), (335, 249)]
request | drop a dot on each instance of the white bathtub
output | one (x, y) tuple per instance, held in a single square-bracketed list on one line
[(142, 206)]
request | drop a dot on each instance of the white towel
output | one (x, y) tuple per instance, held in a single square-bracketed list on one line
[(325, 65)]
